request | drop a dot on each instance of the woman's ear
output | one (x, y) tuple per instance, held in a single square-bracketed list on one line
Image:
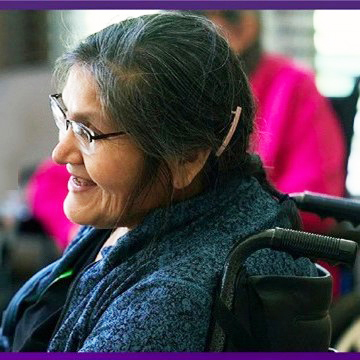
[(185, 170)]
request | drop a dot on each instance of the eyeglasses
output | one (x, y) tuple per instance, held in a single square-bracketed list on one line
[(83, 134)]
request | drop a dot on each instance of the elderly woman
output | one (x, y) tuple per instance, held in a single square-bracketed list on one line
[(154, 120)]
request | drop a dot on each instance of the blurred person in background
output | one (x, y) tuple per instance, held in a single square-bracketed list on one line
[(45, 193), (25, 246), (298, 136)]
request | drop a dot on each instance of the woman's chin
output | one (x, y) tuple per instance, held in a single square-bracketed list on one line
[(76, 212), (86, 213)]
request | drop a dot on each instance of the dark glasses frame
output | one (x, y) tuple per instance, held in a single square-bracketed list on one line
[(57, 99)]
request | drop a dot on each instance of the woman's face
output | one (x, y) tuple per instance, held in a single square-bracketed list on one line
[(100, 183)]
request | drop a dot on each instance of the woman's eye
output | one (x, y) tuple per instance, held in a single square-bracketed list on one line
[(79, 130), (82, 133), (90, 130)]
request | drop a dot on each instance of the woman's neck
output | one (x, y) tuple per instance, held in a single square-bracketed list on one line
[(114, 236)]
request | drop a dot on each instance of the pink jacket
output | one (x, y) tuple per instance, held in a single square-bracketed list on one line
[(298, 136), (46, 192)]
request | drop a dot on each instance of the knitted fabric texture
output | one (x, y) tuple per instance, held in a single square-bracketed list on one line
[(153, 290)]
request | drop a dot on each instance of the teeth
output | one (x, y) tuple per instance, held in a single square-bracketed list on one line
[(81, 182), (77, 181)]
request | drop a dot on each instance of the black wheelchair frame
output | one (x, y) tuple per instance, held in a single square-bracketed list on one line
[(282, 313)]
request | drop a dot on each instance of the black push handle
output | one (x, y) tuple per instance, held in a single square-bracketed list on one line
[(329, 206), (333, 250)]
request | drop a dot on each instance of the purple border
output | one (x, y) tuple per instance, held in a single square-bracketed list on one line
[(181, 5), (179, 356), (178, 4)]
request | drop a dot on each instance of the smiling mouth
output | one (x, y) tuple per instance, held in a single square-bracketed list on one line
[(77, 184), (82, 182)]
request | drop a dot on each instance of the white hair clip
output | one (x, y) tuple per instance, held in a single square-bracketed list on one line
[(230, 134)]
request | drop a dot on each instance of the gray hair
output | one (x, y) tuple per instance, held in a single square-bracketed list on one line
[(171, 81)]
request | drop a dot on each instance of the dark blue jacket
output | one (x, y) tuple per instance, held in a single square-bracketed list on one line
[(153, 290)]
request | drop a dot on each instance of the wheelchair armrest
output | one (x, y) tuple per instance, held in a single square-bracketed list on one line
[(257, 307)]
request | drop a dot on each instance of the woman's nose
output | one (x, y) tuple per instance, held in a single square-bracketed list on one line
[(67, 150)]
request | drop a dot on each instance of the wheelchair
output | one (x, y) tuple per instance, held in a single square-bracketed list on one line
[(282, 313)]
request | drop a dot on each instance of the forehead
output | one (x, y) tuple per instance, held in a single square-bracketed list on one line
[(80, 94)]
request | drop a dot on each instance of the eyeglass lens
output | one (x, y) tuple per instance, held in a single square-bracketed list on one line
[(79, 131)]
